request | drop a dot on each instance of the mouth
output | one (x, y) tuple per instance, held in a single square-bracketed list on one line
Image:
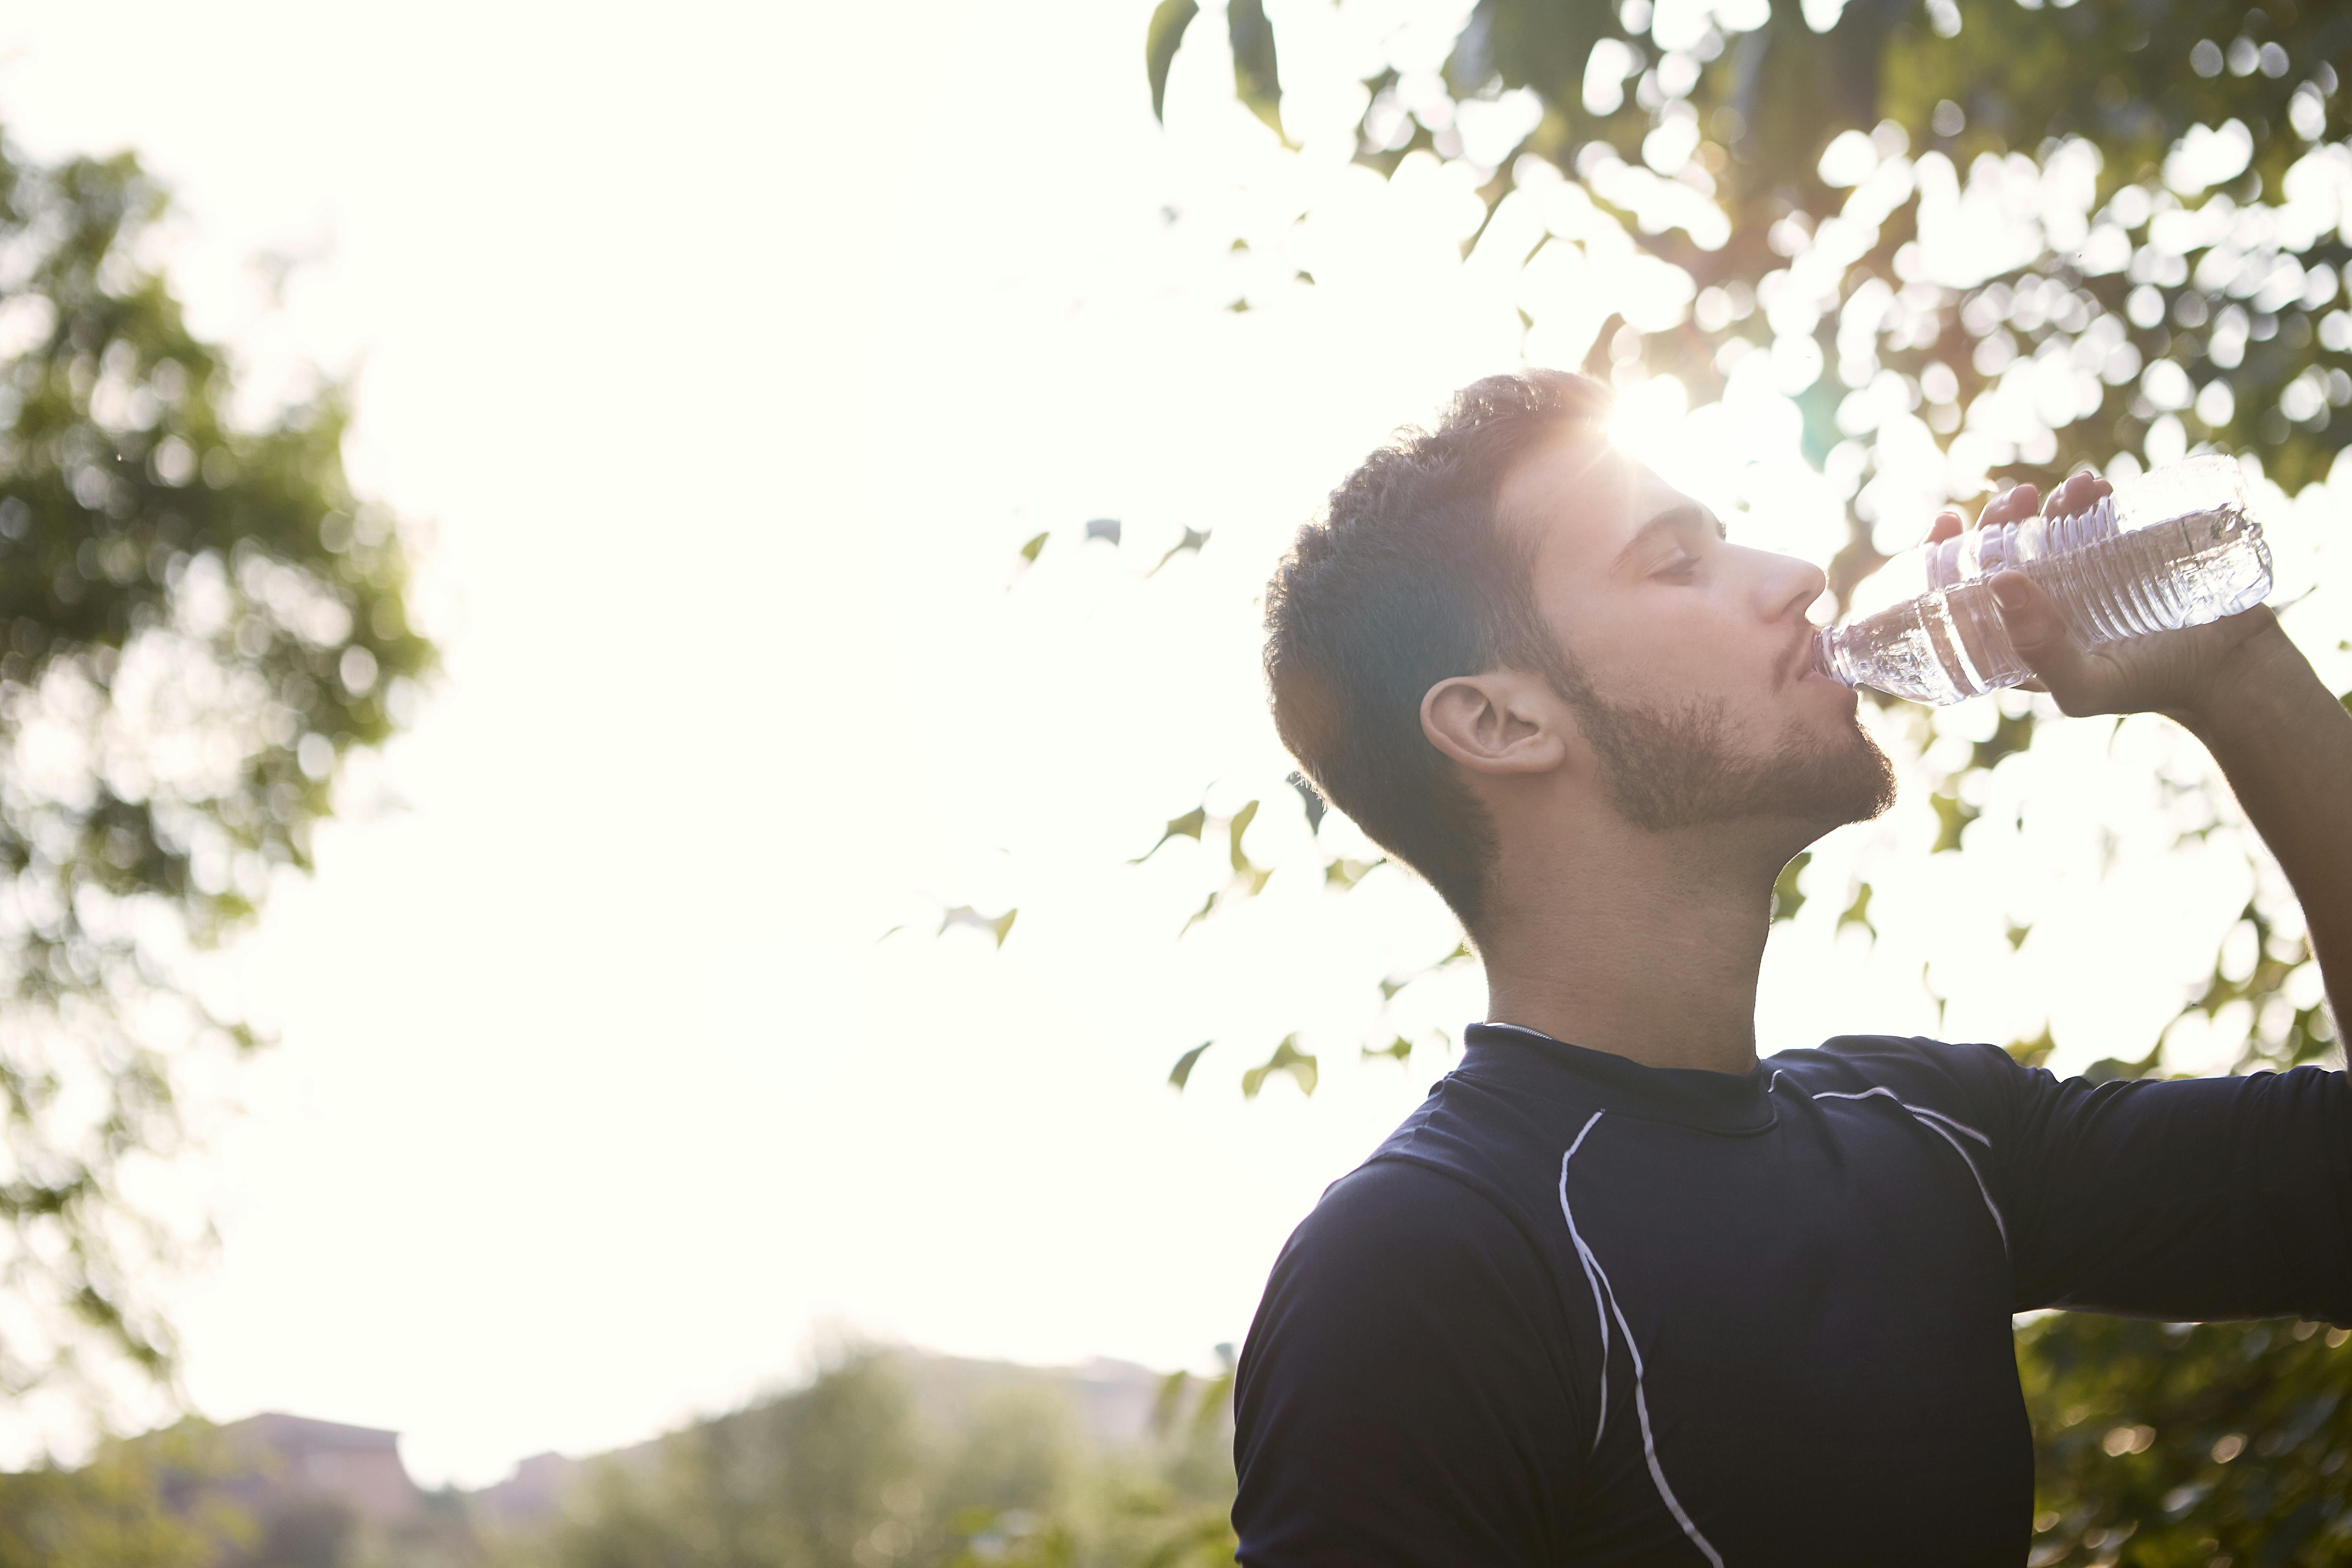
[(1803, 668), (1796, 664)]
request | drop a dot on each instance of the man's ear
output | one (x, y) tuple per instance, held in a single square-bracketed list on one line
[(1501, 721)]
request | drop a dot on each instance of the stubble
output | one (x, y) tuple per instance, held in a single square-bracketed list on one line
[(1675, 768)]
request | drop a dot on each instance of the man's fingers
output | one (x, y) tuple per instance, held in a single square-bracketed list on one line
[(2078, 494), (2011, 507), (2037, 628), (1948, 525)]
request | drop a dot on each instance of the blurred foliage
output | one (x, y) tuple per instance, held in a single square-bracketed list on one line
[(127, 1507), (194, 1496), (2181, 167), (845, 1474), (1182, 1074), (2178, 1444), (884, 1460), (1287, 1058), (198, 619)]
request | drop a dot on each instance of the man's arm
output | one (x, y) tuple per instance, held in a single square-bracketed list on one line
[(2239, 686), (2284, 742)]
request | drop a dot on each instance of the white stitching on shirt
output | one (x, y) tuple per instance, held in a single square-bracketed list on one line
[(1598, 1277), (1981, 1190), (1928, 1119), (1650, 1448), (1957, 1125), (1592, 1278)]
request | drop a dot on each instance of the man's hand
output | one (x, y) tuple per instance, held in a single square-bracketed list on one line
[(2185, 674), (2282, 739)]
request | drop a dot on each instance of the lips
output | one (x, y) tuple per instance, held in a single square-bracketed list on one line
[(1799, 662)]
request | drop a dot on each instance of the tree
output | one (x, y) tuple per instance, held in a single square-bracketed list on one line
[(1970, 243), (198, 620), (847, 1473), (819, 1478), (120, 1509)]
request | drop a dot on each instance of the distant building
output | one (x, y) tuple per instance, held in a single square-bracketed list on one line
[(279, 1457)]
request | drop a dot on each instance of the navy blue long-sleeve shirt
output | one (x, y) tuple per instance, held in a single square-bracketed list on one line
[(1578, 1310)]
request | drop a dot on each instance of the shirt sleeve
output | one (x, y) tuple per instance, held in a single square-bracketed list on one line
[(2185, 1199), (1405, 1396)]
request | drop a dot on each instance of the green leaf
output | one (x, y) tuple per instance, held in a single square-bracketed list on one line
[(1858, 912), (1187, 826), (1192, 540), (1234, 829), (2012, 733), (1952, 815), (1344, 873), (996, 926), (1256, 82), (1160, 40), (1786, 899), (1399, 1050), (1201, 913), (1287, 1058), (1182, 1074), (1029, 552), (2035, 1052)]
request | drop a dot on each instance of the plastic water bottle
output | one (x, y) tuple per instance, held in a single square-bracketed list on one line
[(2177, 547)]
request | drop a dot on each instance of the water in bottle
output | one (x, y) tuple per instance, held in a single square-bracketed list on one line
[(2177, 547)]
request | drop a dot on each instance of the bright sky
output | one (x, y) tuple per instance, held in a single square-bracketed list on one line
[(729, 354)]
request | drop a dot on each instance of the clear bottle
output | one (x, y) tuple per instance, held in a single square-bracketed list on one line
[(2177, 547)]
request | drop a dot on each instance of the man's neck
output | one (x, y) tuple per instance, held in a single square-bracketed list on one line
[(1643, 945)]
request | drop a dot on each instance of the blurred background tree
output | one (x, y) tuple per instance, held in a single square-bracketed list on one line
[(198, 621), (118, 1509), (885, 1458), (1974, 243), (850, 1472)]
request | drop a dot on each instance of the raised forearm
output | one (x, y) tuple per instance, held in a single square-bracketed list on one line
[(2284, 742)]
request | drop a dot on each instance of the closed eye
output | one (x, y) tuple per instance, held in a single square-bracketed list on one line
[(1688, 529)]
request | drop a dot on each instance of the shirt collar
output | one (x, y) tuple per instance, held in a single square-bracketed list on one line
[(1686, 1096)]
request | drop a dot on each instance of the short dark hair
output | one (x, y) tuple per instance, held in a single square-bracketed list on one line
[(1408, 578)]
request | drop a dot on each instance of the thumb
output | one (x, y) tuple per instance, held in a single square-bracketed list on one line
[(2037, 629)]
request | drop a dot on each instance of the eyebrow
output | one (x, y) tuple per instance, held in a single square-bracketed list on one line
[(1675, 519)]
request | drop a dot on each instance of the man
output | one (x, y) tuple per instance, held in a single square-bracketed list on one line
[(1617, 1293)]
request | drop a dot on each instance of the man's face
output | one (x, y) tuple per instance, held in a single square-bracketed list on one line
[(1698, 692)]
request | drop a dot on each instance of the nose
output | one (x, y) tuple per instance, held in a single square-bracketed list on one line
[(1785, 586)]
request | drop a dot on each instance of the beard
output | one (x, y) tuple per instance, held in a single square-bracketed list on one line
[(1675, 768)]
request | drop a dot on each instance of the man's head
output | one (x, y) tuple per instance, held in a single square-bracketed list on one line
[(1506, 603)]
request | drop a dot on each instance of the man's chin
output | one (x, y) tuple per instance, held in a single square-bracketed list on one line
[(1674, 769), (1848, 782)]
